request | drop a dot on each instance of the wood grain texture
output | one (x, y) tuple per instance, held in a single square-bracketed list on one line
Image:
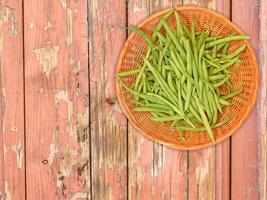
[(222, 150), (57, 99), (262, 110), (155, 171), (245, 141), (12, 108), (107, 20)]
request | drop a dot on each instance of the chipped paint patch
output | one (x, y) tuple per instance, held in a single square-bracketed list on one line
[(19, 154), (4, 95), (53, 146), (63, 95), (1, 28), (75, 65), (48, 26), (63, 3), (47, 58), (9, 16), (41, 90), (5, 148), (14, 129), (31, 25), (7, 192), (79, 195), (69, 22), (66, 165)]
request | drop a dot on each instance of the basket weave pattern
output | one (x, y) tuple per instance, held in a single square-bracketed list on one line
[(245, 78)]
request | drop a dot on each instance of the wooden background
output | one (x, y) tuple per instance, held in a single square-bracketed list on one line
[(63, 135)]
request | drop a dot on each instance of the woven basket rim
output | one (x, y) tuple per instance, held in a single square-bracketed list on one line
[(251, 104)]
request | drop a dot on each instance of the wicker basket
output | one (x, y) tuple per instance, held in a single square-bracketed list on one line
[(244, 78)]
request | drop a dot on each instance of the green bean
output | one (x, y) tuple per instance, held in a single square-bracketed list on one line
[(138, 78), (143, 34), (162, 54), (159, 106), (221, 82), (228, 96), (193, 38), (204, 119), (200, 41), (162, 83), (180, 101), (186, 30), (212, 64), (160, 24), (236, 52), (214, 107), (201, 53), (224, 102), (205, 71), (178, 23), (199, 129), (188, 94), (170, 83), (167, 118), (174, 108), (225, 48), (216, 77), (214, 51), (227, 39), (174, 39), (128, 73), (225, 66), (148, 109), (206, 103)]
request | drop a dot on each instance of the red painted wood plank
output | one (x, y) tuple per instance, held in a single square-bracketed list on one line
[(56, 84), (155, 171), (107, 34), (209, 168), (12, 108), (245, 141), (222, 150), (262, 109)]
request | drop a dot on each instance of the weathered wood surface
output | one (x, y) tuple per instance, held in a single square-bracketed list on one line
[(262, 111), (56, 99), (63, 135), (12, 185), (244, 168), (108, 125)]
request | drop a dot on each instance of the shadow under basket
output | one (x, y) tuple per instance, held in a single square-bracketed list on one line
[(244, 78)]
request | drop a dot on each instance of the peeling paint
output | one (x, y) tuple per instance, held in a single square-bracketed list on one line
[(9, 16), (1, 29), (63, 3), (4, 95), (106, 33), (7, 192), (47, 58), (19, 154), (53, 146), (5, 148), (69, 26), (67, 163), (41, 90), (14, 129), (75, 65), (79, 195), (63, 95), (48, 26)]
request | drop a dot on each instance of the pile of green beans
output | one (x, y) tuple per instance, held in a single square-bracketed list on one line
[(181, 75)]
